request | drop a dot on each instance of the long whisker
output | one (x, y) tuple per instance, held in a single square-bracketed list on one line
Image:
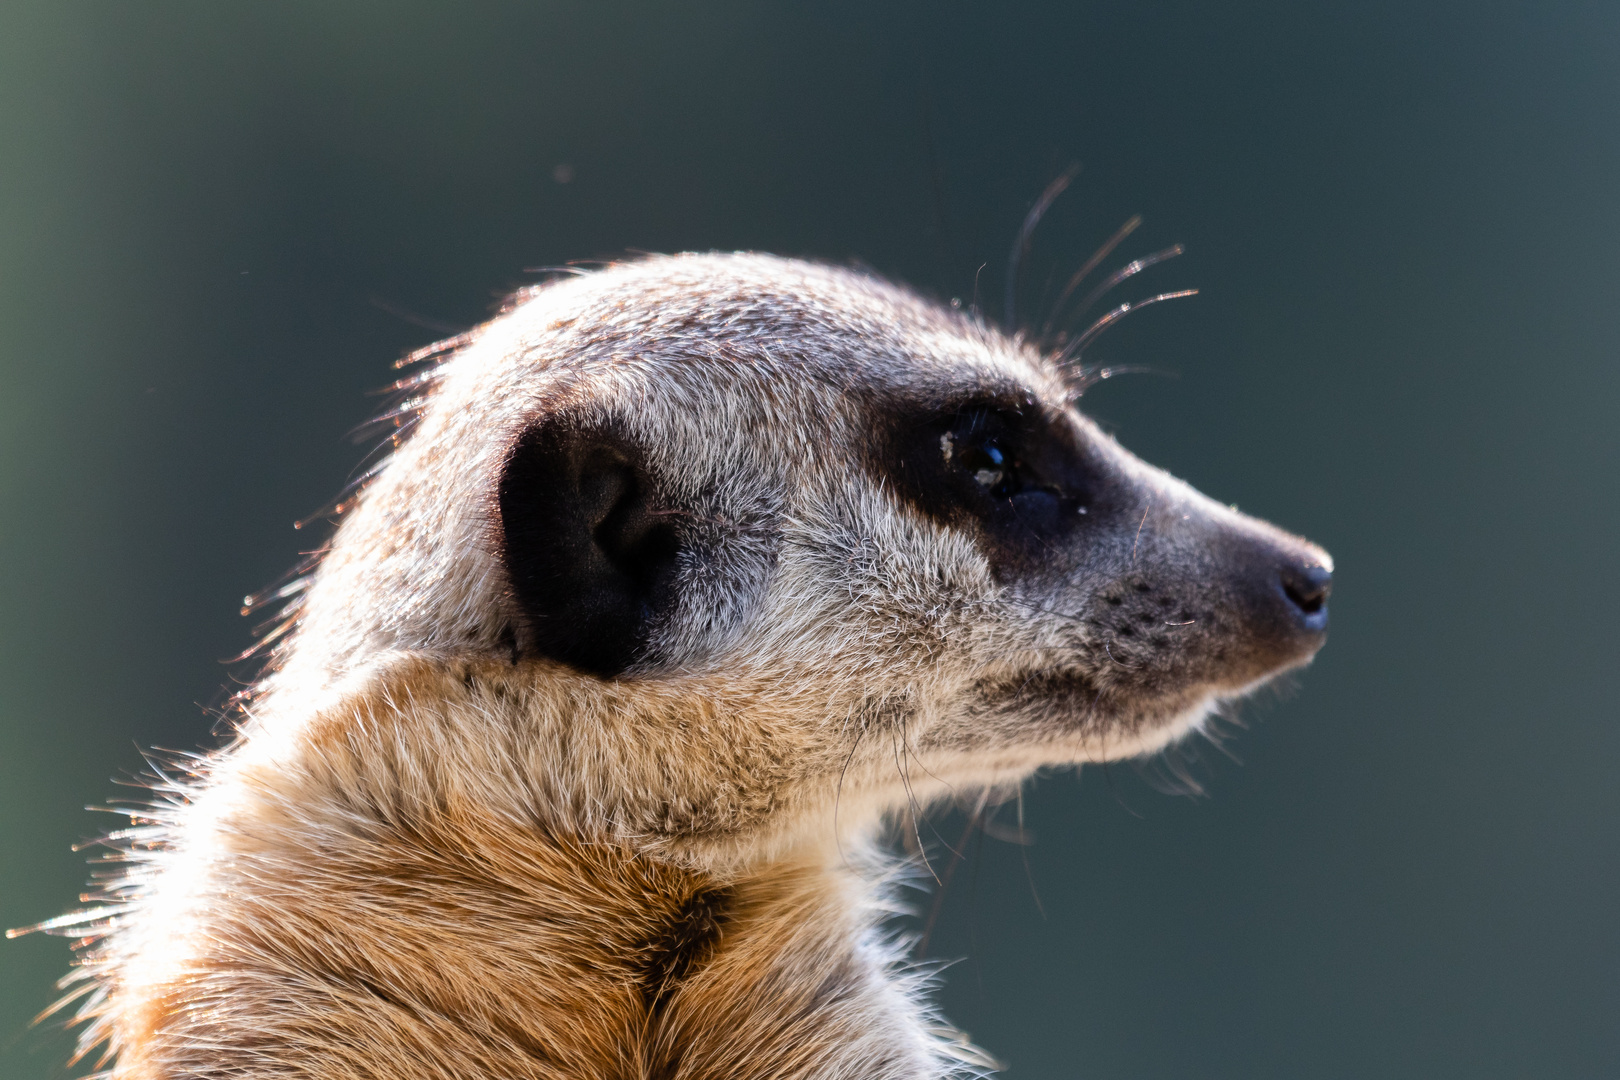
[(1126, 272), (1020, 248), (1023, 853), (1086, 378), (913, 810), (436, 349), (838, 795), (576, 270), (905, 748), (950, 869), (1074, 349), (383, 304), (1039, 610), (1090, 264)]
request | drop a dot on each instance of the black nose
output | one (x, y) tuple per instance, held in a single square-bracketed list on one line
[(1307, 589)]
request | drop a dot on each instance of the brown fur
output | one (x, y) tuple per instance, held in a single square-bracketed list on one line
[(397, 897), (430, 853)]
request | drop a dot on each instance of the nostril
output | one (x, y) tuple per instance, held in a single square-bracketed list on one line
[(1308, 587)]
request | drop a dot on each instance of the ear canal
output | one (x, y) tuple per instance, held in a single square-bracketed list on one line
[(590, 559), (636, 539)]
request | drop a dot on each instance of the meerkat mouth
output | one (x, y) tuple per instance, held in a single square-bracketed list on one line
[(1062, 705)]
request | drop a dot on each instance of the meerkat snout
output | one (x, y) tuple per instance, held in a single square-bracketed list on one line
[(571, 760)]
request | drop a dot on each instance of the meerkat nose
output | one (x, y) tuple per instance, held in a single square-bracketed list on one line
[(1306, 587)]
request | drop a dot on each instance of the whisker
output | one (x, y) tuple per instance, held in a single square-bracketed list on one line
[(1217, 738), (1020, 248), (838, 794), (1039, 610), (437, 349), (381, 303), (905, 745), (1090, 264), (1023, 853), (912, 811), (1076, 348), (1086, 378), (1126, 272), (950, 868), (577, 271), (1139, 525), (1107, 649)]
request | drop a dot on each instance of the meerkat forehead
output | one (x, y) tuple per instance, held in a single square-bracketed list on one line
[(735, 347), (734, 375)]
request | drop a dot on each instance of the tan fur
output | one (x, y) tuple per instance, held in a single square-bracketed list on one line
[(428, 856)]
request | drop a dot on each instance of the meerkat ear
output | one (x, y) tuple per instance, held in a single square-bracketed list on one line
[(590, 562)]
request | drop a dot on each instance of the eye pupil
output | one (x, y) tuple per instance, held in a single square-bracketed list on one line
[(1000, 464), (988, 465)]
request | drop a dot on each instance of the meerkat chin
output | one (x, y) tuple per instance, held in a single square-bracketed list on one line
[(575, 757)]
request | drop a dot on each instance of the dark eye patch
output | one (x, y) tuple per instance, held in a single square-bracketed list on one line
[(1000, 465), (986, 446)]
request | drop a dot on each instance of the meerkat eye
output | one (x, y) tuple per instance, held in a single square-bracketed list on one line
[(985, 446), (1014, 473), (993, 468)]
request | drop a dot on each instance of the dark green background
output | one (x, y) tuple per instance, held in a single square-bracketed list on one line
[(1406, 222)]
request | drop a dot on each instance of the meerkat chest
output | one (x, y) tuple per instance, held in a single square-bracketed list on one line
[(360, 932)]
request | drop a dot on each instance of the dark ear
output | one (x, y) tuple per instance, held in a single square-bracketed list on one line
[(590, 563)]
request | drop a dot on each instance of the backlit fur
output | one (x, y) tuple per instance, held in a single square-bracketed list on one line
[(430, 852)]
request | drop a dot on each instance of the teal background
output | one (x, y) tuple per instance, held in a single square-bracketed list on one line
[(1405, 219)]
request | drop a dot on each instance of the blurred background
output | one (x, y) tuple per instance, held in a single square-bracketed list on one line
[(220, 224)]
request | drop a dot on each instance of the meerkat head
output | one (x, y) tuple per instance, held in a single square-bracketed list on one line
[(781, 527)]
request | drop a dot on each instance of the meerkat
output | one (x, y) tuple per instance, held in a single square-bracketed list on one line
[(575, 758)]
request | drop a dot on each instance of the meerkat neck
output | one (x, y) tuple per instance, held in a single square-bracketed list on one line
[(366, 900)]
